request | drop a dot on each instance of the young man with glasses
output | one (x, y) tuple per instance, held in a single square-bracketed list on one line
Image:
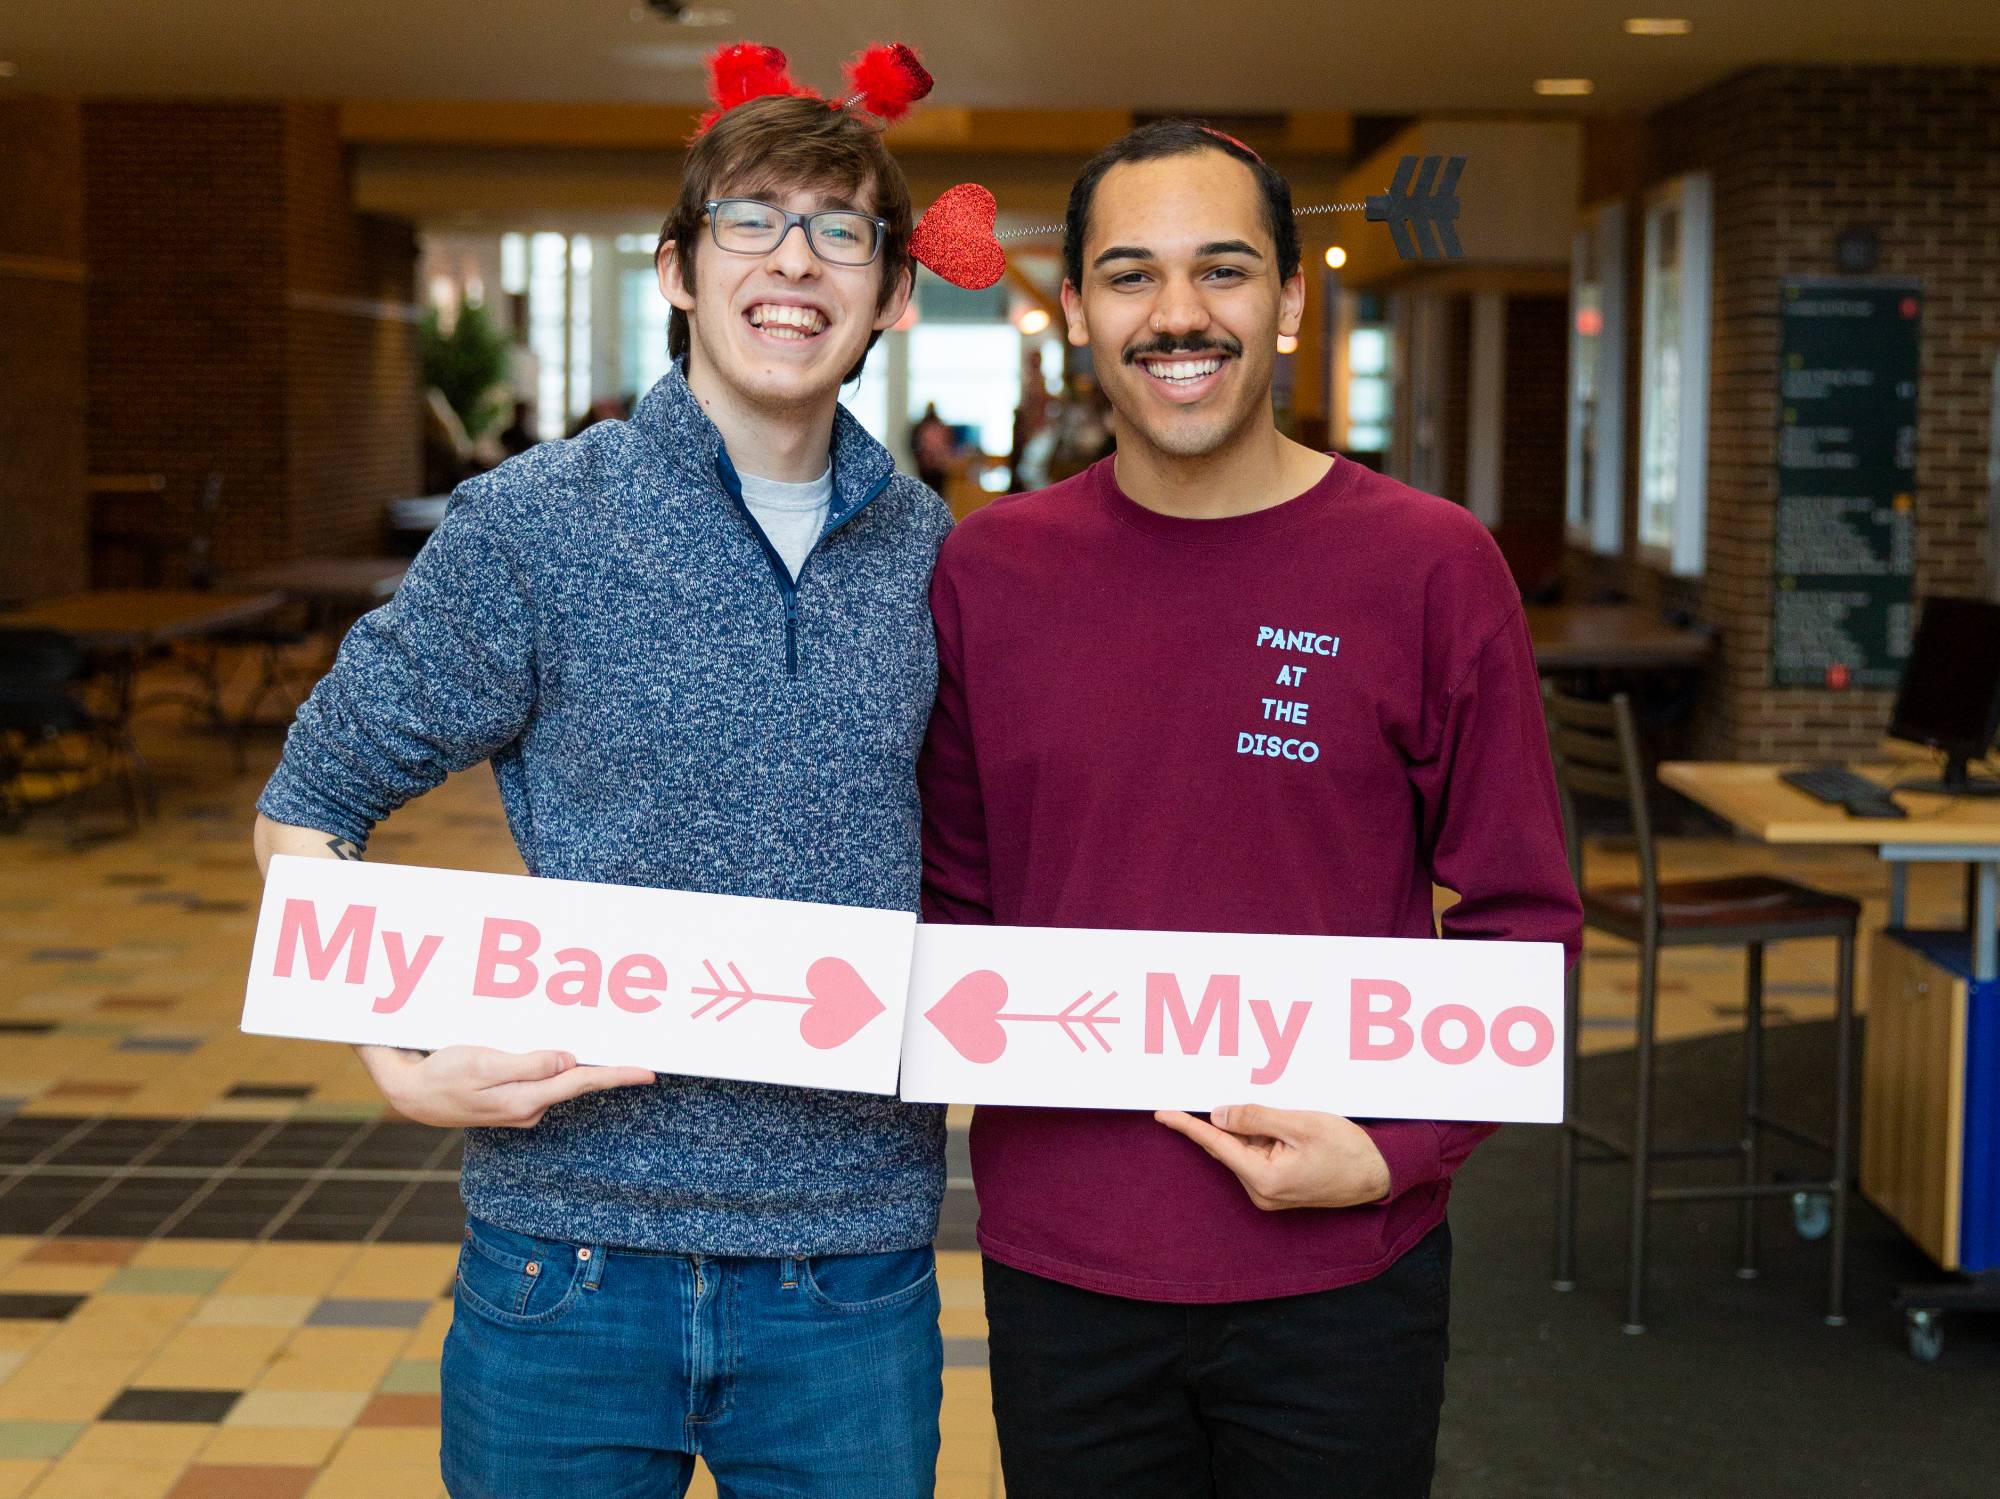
[(697, 650)]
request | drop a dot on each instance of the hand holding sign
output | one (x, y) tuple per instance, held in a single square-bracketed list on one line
[(509, 980), (475, 1086), (1290, 1158)]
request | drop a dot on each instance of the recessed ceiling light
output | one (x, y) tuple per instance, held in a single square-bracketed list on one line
[(679, 13), (1563, 87), (1658, 26)]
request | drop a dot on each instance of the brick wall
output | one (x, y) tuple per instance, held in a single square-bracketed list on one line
[(1797, 155), (352, 432), (42, 289), (236, 328)]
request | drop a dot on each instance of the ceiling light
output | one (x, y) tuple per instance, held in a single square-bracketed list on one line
[(1658, 26), (679, 13), (1032, 321), (1335, 257), (1287, 344), (1563, 87)]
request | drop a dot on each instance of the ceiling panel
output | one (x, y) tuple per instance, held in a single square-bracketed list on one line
[(1389, 56)]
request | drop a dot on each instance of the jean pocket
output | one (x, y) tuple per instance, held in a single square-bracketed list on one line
[(869, 1282), (519, 1281)]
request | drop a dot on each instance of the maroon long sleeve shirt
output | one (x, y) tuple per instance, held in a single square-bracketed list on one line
[(1290, 721)]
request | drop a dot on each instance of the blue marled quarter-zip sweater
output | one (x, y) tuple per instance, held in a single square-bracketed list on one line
[(603, 620)]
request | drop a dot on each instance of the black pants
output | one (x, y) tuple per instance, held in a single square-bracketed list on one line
[(1333, 1395)]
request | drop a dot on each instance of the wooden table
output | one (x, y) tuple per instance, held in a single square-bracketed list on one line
[(1593, 637), (121, 625), (330, 582), (419, 516), (1939, 829), (130, 620)]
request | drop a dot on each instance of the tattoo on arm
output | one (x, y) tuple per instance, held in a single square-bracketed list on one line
[(342, 849)]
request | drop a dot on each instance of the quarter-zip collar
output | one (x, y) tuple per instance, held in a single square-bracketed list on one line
[(672, 420)]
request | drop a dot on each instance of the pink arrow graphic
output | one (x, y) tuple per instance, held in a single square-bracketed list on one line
[(838, 1001), (973, 1012)]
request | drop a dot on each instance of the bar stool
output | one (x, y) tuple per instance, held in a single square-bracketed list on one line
[(1597, 754)]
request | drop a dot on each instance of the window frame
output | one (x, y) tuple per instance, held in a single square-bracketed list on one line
[(1595, 520), (1680, 550)]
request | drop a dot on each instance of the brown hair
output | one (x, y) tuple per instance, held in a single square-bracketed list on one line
[(788, 141)]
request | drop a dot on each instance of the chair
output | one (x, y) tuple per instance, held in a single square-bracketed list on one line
[(1597, 755), (270, 641), (48, 729)]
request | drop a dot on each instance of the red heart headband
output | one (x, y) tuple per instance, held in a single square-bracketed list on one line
[(885, 80), (955, 238)]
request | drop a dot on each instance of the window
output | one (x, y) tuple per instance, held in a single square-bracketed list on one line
[(1368, 403), (1673, 375), (1595, 492), (642, 323), (868, 397), (972, 371), (548, 318)]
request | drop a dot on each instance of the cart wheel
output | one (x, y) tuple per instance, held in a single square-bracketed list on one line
[(1812, 1215), (1926, 1330)]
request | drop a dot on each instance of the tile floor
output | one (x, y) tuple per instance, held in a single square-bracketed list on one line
[(224, 1267)]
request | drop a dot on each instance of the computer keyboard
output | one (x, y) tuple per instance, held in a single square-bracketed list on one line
[(1838, 786)]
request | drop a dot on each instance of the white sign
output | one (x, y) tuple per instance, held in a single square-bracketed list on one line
[(830, 997), (1369, 1027), (711, 985)]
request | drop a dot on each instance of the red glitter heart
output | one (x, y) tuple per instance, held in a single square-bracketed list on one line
[(955, 238)]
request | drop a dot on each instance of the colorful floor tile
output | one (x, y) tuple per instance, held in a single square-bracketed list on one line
[(223, 1260)]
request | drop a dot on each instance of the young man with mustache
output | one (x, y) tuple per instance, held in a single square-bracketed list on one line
[(1221, 682), (696, 648)]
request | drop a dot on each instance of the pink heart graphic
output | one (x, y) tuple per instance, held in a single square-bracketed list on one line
[(968, 1016), (842, 1003)]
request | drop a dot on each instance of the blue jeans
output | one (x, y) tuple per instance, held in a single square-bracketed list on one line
[(573, 1369)]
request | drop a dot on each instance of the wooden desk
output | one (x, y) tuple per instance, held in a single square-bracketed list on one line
[(1590, 637), (136, 619), (1939, 829), (331, 582), (419, 516)]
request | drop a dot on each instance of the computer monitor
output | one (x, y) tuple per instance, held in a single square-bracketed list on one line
[(1949, 698)]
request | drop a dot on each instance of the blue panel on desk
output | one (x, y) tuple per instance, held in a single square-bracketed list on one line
[(1979, 1191)]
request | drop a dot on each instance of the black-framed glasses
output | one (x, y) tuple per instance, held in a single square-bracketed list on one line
[(839, 236)]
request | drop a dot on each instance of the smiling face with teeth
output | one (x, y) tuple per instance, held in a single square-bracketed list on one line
[(1181, 304), (783, 328)]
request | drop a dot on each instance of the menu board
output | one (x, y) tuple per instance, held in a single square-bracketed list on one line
[(1844, 550)]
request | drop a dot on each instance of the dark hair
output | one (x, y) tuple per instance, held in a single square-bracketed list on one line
[(1163, 138), (788, 141)]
